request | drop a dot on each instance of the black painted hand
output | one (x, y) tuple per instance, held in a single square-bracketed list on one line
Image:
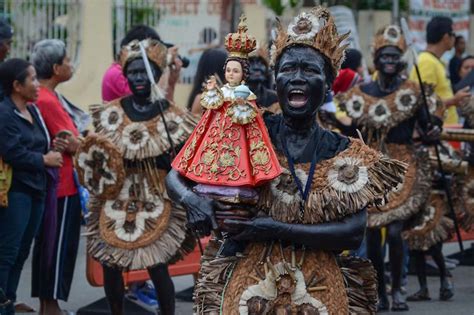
[(432, 136), (200, 213), (260, 228)]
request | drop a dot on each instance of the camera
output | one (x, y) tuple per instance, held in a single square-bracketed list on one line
[(183, 59)]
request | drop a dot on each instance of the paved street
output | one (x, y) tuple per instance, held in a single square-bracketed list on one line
[(462, 304)]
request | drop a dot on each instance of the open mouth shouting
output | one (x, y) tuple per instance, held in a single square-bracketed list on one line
[(390, 68), (297, 98)]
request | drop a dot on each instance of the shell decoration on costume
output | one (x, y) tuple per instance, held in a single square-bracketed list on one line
[(353, 176), (282, 282), (134, 208), (304, 27), (111, 118), (141, 140), (374, 114), (355, 106), (405, 99), (390, 35), (379, 112), (348, 174), (100, 166)]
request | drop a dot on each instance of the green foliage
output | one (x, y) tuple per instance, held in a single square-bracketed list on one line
[(277, 7)]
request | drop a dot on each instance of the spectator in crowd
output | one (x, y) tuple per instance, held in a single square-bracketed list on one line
[(52, 278), (466, 79), (25, 147), (440, 39), (345, 79), (465, 67), (6, 34), (211, 63), (353, 61), (455, 62), (114, 83)]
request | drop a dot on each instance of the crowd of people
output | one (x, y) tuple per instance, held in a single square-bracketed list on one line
[(301, 166)]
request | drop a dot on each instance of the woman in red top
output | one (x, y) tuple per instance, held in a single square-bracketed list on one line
[(53, 265)]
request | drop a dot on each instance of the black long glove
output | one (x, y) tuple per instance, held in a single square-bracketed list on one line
[(200, 210), (333, 236)]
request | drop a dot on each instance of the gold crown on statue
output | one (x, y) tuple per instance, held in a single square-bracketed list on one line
[(240, 44), (155, 51), (389, 35), (315, 29)]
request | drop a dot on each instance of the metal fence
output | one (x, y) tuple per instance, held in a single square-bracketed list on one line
[(34, 20), (127, 13)]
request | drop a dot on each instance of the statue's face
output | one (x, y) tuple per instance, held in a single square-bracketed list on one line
[(138, 80), (301, 82), (257, 71), (389, 61), (233, 72)]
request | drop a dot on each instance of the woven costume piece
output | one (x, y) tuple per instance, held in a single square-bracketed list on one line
[(410, 196), (132, 223), (431, 225), (463, 193), (467, 110), (5, 182), (356, 177), (376, 116)]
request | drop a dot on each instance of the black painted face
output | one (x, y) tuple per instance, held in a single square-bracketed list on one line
[(138, 79), (301, 82), (257, 71), (389, 61)]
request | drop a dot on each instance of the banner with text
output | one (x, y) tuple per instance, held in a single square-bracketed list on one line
[(421, 12)]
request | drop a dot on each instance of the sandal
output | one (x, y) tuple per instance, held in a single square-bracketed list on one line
[(398, 302), (446, 293), (421, 295)]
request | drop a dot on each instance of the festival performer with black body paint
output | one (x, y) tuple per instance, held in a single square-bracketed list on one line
[(313, 210), (388, 111), (260, 81), (132, 223)]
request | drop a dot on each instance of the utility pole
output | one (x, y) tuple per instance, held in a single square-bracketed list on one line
[(395, 11)]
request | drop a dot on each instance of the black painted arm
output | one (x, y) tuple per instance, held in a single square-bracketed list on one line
[(333, 236)]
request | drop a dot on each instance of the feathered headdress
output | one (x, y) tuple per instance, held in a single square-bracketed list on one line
[(315, 29), (389, 35), (155, 51)]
